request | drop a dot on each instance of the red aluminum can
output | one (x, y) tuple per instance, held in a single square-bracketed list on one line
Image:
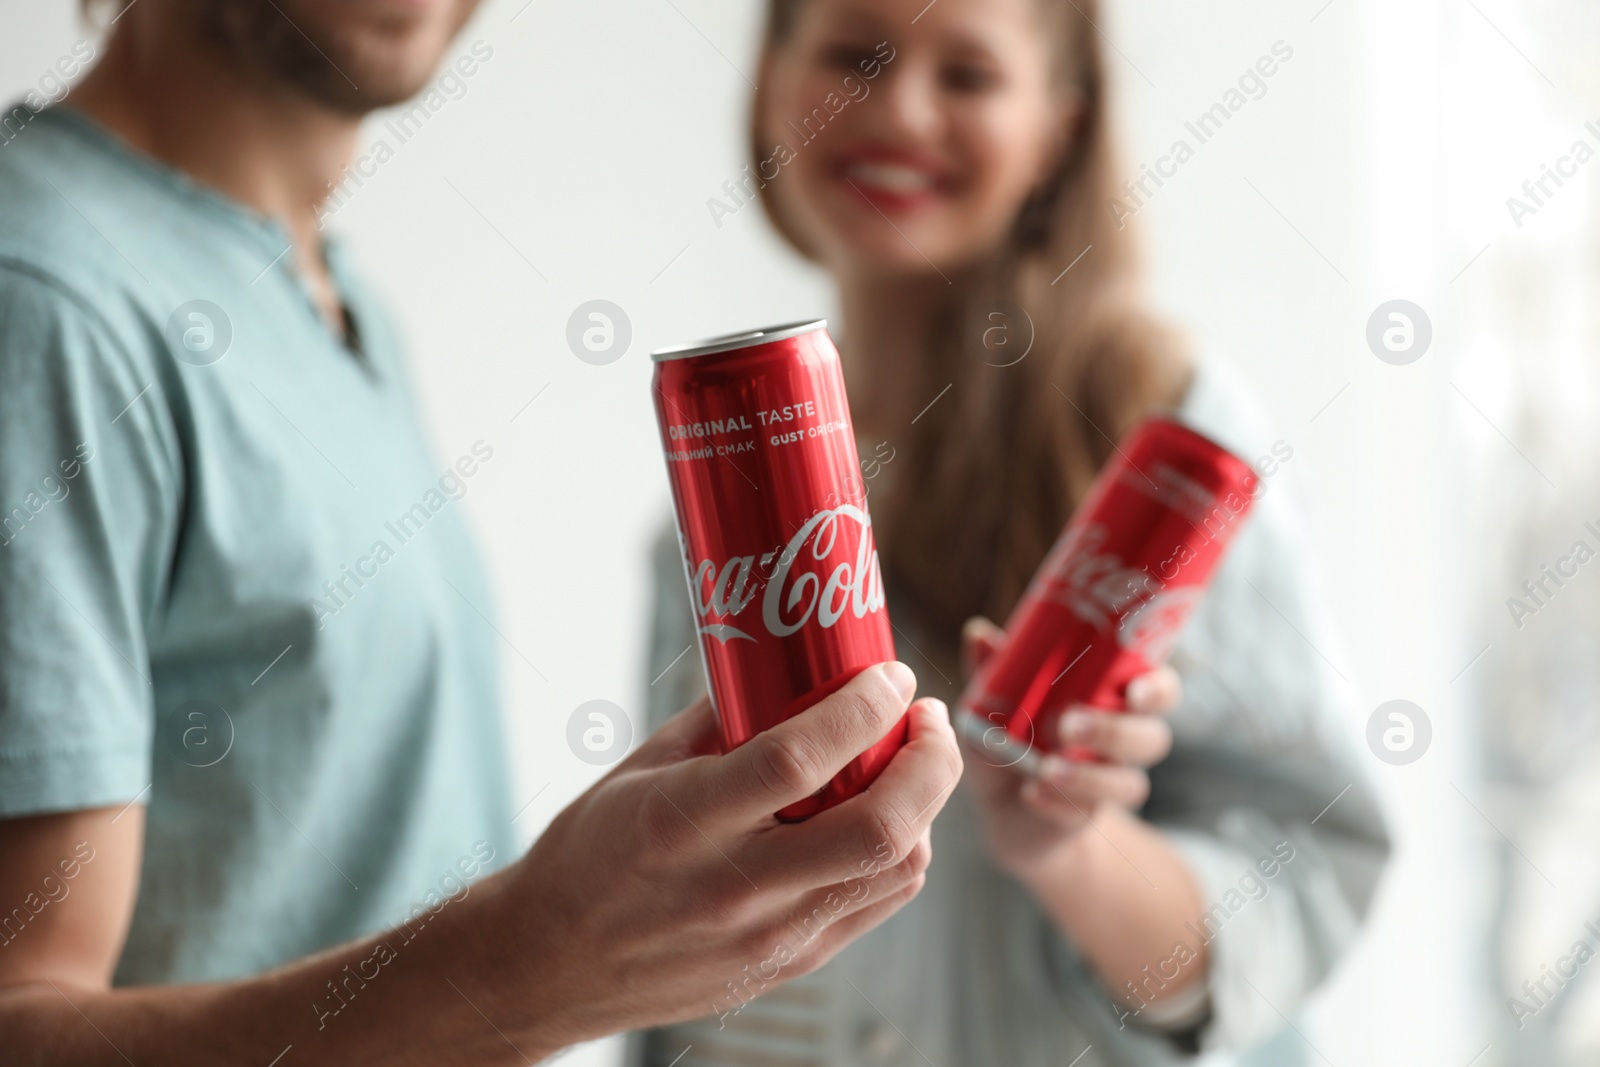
[(1109, 600), (777, 542)]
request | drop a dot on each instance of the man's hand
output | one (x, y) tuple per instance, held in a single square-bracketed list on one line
[(1029, 821), (666, 891), (669, 890)]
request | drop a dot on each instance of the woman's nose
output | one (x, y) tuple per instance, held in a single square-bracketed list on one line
[(908, 102)]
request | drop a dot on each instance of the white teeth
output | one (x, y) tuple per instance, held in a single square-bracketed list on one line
[(890, 176)]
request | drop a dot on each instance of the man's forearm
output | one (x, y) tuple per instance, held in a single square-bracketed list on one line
[(397, 998)]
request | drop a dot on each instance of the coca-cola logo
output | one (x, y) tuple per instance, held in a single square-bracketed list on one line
[(1106, 592), (1097, 585), (815, 576)]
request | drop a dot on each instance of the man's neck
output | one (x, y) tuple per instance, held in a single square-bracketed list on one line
[(176, 97)]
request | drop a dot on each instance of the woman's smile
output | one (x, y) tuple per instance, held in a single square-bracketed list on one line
[(890, 180)]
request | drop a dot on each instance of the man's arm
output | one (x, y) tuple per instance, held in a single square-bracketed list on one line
[(80, 869), (648, 900), (57, 1005)]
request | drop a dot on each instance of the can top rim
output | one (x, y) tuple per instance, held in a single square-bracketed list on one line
[(745, 339)]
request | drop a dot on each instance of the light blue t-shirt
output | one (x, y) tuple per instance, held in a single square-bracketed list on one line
[(234, 585)]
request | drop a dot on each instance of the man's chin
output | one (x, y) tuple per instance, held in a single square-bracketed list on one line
[(368, 92), (351, 68)]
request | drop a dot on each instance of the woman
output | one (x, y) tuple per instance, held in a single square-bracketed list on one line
[(950, 165)]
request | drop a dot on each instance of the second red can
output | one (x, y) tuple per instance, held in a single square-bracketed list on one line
[(777, 541), (1109, 600)]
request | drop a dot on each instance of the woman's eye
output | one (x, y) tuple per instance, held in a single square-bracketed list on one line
[(845, 56), (969, 78)]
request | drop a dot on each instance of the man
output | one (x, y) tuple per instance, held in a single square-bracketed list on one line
[(239, 815)]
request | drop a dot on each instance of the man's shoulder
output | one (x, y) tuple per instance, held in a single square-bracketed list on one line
[(59, 323), (59, 220), (42, 311)]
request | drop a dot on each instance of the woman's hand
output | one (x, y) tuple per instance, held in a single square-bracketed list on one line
[(1028, 821)]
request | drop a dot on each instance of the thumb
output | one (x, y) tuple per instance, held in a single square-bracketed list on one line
[(980, 639), (692, 732)]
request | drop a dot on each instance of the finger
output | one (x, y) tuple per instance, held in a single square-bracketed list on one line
[(1154, 693), (980, 639), (1140, 741), (821, 908), (852, 926), (692, 732), (1084, 785), (880, 826), (799, 756), (1046, 801)]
